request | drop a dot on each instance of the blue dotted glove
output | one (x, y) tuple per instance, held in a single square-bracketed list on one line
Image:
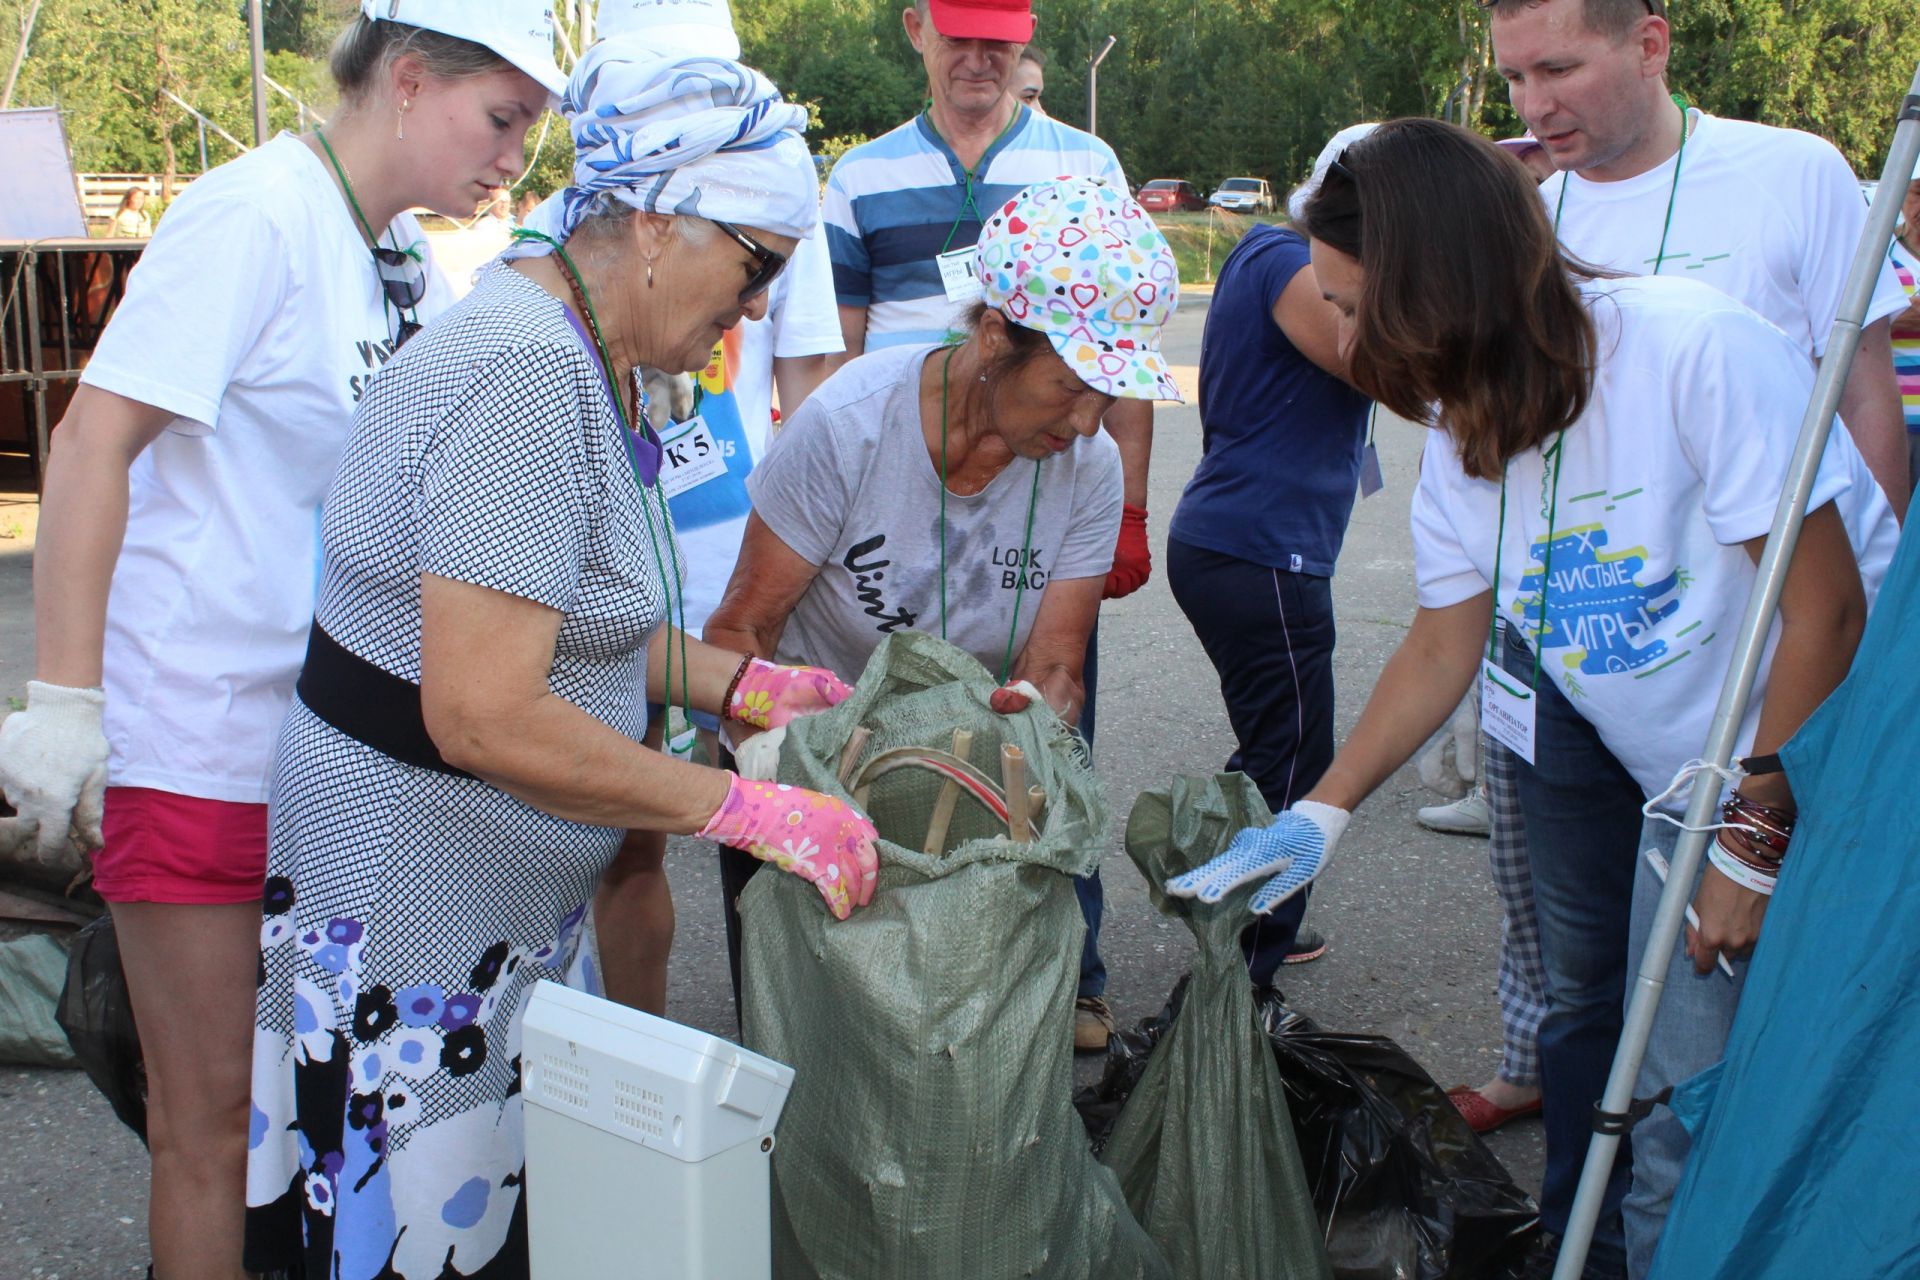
[(1294, 850)]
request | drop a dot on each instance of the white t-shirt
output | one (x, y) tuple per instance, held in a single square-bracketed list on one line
[(1768, 216), (801, 320), (254, 316), (849, 486), (1679, 458)]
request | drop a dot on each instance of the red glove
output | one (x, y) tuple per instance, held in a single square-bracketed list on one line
[(1132, 561)]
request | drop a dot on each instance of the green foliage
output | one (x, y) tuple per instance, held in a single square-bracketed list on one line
[(1196, 89)]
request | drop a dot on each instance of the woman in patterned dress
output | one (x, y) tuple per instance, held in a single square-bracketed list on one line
[(465, 750)]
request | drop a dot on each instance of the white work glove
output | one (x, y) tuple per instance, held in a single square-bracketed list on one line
[(1294, 850), (53, 765), (1450, 762)]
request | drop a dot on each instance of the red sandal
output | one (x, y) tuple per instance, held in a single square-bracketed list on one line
[(1483, 1116)]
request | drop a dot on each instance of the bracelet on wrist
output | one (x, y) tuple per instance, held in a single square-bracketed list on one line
[(733, 687), (1747, 877)]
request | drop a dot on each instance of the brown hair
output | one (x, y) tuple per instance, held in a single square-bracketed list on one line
[(363, 51), (1467, 300), (1610, 18), (1024, 346)]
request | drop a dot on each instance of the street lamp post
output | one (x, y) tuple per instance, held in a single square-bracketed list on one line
[(256, 35), (1093, 84)]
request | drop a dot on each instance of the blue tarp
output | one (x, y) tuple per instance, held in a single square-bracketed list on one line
[(1806, 1161)]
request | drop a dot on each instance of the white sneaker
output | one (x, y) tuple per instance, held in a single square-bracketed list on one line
[(1467, 816)]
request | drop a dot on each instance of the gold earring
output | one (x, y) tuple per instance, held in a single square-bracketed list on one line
[(400, 130)]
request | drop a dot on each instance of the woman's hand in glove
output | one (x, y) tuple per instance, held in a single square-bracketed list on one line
[(1295, 849), (813, 836), (768, 696), (53, 765)]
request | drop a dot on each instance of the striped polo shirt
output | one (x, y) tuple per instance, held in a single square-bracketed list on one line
[(894, 204), (1906, 342)]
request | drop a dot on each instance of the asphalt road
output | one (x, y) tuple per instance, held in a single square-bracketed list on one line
[(1411, 915)]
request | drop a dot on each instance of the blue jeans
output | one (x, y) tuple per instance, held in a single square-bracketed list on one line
[(1093, 970), (1689, 1035), (1582, 813)]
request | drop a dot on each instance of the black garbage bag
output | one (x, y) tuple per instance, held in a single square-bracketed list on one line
[(1403, 1188), (97, 1015)]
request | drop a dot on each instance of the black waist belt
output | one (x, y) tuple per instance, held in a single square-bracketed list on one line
[(367, 704)]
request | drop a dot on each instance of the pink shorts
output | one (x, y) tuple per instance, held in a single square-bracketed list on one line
[(162, 847)]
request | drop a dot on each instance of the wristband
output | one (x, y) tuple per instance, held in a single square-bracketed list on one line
[(1739, 872), (726, 699)]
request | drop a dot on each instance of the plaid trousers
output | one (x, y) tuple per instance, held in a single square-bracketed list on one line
[(1523, 982)]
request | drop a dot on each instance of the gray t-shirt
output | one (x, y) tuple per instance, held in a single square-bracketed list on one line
[(849, 485)]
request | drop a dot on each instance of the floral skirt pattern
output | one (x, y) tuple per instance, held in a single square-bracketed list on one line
[(406, 915)]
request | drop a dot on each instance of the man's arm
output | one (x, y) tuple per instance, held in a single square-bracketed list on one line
[(1870, 406), (795, 377), (1130, 423), (853, 335)]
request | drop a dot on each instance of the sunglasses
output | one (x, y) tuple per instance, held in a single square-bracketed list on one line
[(402, 276), (766, 263)]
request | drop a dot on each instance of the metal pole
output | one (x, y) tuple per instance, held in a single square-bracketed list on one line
[(256, 35), (201, 126), (1842, 341), (1093, 84), (20, 54)]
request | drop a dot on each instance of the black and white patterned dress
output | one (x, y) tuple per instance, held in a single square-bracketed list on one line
[(408, 911)]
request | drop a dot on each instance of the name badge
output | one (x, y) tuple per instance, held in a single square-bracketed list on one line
[(689, 457), (1371, 481), (1506, 710), (956, 275)]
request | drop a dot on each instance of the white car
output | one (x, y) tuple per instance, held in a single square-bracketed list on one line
[(1244, 195)]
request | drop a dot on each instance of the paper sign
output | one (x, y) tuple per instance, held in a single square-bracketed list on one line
[(689, 456), (1371, 481), (956, 275), (1506, 710), (680, 734)]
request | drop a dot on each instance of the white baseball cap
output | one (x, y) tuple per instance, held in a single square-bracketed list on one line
[(702, 27), (520, 31), (1297, 202)]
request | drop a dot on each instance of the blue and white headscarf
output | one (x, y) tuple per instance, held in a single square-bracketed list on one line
[(684, 135)]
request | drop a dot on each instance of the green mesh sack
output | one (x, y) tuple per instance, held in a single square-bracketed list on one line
[(1204, 1148), (930, 1131)]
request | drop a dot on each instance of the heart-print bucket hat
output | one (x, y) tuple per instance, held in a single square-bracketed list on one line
[(1080, 261)]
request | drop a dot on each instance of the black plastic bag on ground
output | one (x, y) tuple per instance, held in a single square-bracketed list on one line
[(1403, 1189), (97, 1015)]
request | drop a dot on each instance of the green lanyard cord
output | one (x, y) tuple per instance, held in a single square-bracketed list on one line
[(1666, 226), (967, 201), (1546, 567), (1026, 540), (670, 583), (393, 241)]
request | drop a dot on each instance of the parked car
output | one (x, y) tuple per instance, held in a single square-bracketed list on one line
[(1244, 195), (1171, 195)]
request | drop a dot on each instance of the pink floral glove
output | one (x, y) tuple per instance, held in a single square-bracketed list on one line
[(768, 696), (814, 836)]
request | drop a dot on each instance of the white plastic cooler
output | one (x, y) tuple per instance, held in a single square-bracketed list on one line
[(648, 1144)]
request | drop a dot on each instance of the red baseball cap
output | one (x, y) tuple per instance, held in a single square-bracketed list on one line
[(1008, 21)]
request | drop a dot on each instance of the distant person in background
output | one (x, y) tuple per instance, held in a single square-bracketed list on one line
[(1905, 254), (1251, 547), (903, 213), (1030, 78), (130, 220), (784, 351), (525, 203)]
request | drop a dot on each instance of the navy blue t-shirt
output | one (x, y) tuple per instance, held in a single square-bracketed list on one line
[(1282, 438)]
